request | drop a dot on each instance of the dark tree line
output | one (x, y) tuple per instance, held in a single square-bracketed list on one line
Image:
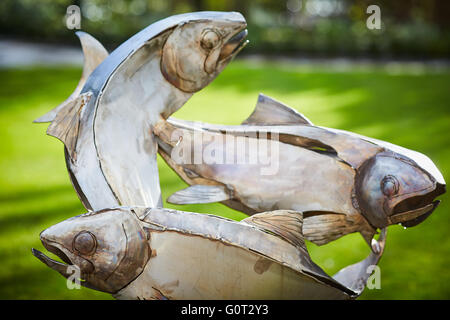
[(410, 28)]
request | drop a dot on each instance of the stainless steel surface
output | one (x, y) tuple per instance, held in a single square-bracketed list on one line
[(155, 253), (107, 125), (329, 182), (342, 182)]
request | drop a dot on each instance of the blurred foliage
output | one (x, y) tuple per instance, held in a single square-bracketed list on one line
[(406, 106), (410, 28)]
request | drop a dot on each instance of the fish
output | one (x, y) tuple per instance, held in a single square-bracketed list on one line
[(106, 124), (159, 253), (342, 182)]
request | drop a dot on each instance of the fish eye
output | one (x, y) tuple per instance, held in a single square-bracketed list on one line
[(85, 243), (210, 39), (389, 185)]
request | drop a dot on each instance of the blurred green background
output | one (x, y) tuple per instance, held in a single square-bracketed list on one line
[(410, 28), (403, 103)]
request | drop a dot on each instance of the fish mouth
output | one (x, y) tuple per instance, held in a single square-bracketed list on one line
[(62, 268), (423, 205), (234, 45), (66, 269), (68, 266)]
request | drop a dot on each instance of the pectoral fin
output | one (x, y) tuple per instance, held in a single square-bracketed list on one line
[(321, 228), (268, 111), (94, 54), (200, 194), (66, 124), (286, 224)]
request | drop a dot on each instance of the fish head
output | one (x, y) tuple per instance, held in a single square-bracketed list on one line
[(391, 188), (199, 49), (108, 247)]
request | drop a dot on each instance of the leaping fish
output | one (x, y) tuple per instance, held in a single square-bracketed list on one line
[(106, 124), (156, 253), (341, 181)]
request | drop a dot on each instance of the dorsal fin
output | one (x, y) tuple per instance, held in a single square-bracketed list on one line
[(66, 124), (268, 111), (94, 54), (286, 224)]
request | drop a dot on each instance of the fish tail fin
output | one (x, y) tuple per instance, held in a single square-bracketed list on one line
[(368, 236), (355, 276), (94, 54)]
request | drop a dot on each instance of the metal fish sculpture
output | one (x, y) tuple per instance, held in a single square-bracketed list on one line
[(155, 253), (106, 124), (341, 181)]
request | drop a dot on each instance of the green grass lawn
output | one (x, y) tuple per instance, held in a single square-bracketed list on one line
[(406, 108)]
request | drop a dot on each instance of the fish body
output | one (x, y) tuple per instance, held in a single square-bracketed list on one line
[(342, 182), (155, 253), (106, 125)]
